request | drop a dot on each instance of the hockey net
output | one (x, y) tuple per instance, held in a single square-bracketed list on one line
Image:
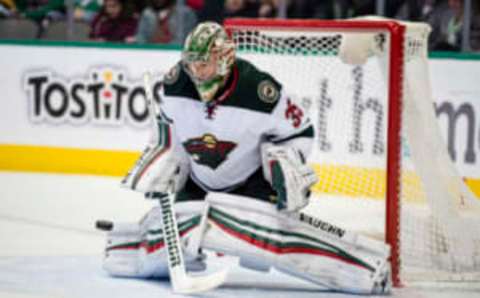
[(378, 151)]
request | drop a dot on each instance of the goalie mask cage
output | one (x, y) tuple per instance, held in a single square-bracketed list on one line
[(366, 84)]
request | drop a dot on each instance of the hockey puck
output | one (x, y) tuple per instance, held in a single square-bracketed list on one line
[(104, 225)]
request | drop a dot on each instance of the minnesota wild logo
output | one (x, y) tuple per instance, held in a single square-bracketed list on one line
[(208, 151)]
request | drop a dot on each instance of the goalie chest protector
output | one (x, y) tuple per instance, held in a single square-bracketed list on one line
[(222, 138)]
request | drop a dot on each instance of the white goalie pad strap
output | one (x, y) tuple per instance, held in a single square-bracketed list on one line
[(323, 254), (286, 169), (161, 162), (138, 249)]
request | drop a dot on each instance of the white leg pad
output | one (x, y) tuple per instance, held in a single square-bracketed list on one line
[(323, 254), (138, 250)]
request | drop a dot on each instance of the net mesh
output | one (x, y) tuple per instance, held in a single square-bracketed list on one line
[(349, 107)]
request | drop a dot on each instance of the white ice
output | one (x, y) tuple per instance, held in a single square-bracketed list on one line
[(50, 249)]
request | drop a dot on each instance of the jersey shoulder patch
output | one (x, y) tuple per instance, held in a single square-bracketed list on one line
[(256, 90), (267, 91), (177, 83)]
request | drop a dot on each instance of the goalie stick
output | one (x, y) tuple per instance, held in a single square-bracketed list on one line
[(181, 281)]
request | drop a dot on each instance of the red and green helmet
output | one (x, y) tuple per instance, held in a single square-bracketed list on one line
[(205, 39)]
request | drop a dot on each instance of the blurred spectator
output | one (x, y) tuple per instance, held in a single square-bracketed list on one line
[(412, 10), (114, 22), (85, 10), (41, 10), (426, 9), (331, 9), (240, 8), (166, 22), (54, 10), (403, 9), (218, 10), (446, 20), (268, 8), (196, 5), (7, 8)]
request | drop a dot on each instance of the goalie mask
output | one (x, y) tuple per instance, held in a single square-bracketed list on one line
[(207, 57)]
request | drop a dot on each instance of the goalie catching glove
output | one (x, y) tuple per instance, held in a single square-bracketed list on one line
[(286, 170)]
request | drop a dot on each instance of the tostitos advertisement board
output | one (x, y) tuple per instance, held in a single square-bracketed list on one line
[(80, 108)]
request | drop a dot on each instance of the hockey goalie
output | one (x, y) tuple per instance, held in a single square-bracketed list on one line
[(232, 146)]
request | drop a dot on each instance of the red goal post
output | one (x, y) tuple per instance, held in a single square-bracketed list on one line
[(259, 38)]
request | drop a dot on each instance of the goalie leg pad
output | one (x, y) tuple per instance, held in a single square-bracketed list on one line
[(256, 231), (138, 249), (122, 249)]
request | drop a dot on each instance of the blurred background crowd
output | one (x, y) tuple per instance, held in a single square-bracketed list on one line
[(455, 23)]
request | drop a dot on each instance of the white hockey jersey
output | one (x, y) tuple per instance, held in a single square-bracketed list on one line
[(222, 138)]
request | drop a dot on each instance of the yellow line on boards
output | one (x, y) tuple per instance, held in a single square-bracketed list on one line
[(370, 182), (474, 185), (66, 160)]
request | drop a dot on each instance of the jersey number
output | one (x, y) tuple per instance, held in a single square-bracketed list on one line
[(294, 113)]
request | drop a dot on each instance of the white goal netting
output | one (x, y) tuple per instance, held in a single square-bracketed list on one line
[(377, 140)]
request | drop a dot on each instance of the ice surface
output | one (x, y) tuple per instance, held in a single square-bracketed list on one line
[(50, 249)]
